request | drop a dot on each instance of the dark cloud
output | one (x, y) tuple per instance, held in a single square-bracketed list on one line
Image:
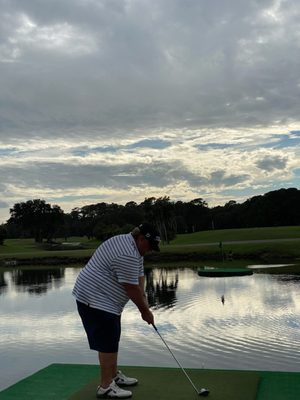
[(121, 176), (77, 66), (141, 144), (271, 163), (150, 144), (221, 178)]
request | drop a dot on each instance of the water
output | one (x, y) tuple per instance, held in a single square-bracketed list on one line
[(256, 328)]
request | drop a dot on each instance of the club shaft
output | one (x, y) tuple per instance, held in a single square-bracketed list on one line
[(180, 366)]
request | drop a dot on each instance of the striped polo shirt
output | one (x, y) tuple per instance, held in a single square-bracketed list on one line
[(100, 283)]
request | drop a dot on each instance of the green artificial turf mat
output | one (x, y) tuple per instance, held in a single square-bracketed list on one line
[(171, 383), (279, 386), (79, 382), (57, 381)]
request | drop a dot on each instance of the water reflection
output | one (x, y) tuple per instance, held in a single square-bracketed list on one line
[(288, 278), (161, 286), (3, 283), (256, 328), (37, 281)]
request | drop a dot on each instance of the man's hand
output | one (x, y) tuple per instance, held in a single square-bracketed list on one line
[(136, 294), (148, 317)]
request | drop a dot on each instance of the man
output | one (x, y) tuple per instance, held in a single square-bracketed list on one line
[(113, 275)]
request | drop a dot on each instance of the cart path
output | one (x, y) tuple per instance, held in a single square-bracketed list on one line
[(241, 242)]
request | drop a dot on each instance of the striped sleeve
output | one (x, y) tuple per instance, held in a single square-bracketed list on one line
[(126, 269)]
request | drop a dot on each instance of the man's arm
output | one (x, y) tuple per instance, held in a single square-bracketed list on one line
[(137, 295), (142, 286)]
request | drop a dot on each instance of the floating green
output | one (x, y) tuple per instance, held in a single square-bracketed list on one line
[(221, 272)]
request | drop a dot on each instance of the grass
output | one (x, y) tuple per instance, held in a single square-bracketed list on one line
[(215, 236), (27, 248), (277, 248), (29, 245), (206, 244), (187, 247)]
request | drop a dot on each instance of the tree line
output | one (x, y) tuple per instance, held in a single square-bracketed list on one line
[(38, 219)]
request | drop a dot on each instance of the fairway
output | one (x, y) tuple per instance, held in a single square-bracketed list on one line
[(189, 247), (226, 235)]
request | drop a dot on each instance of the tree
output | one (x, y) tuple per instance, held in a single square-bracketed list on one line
[(197, 215), (227, 217), (132, 214), (165, 218), (160, 212), (180, 210), (38, 218), (147, 207), (3, 234)]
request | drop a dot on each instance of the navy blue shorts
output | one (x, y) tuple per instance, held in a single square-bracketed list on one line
[(103, 329)]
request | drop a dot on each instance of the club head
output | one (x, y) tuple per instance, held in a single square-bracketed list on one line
[(203, 392)]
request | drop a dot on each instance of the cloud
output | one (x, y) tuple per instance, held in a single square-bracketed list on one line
[(272, 163), (145, 143), (124, 98), (220, 178), (123, 176), (147, 64)]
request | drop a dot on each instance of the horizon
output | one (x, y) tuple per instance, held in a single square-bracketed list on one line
[(170, 199)]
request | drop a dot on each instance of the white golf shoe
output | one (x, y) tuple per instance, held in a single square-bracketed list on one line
[(123, 380), (112, 392)]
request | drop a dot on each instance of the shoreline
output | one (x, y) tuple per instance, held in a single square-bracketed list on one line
[(158, 258)]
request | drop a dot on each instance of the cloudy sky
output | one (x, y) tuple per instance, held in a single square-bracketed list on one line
[(118, 100)]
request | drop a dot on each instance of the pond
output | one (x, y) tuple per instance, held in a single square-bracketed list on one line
[(256, 328)]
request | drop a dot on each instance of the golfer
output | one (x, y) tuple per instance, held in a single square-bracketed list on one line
[(113, 275)]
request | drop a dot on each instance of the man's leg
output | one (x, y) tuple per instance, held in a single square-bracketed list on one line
[(108, 363)]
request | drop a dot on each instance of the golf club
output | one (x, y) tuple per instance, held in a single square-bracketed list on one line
[(201, 392)]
